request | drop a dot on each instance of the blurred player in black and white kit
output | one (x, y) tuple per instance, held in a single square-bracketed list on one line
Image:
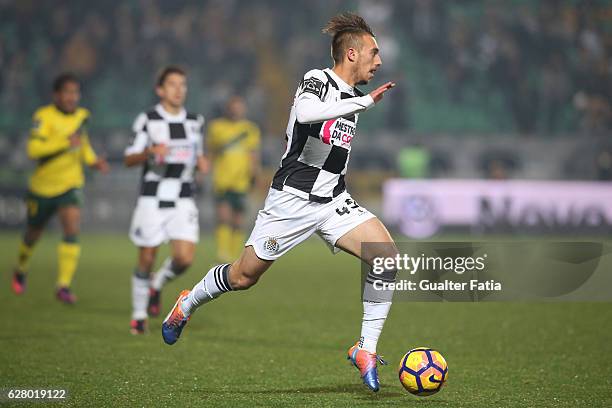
[(308, 193), (168, 143)]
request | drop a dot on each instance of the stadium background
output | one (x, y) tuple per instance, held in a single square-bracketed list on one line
[(517, 90), (486, 90)]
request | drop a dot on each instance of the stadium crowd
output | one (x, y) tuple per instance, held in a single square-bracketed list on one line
[(545, 64)]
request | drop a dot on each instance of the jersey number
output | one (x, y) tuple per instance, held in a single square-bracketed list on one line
[(350, 205)]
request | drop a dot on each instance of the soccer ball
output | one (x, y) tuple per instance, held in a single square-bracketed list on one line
[(423, 371)]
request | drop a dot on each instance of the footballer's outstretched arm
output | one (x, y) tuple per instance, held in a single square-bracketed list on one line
[(310, 109)]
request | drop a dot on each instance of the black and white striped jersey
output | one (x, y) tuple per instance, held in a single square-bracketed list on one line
[(172, 178), (321, 127)]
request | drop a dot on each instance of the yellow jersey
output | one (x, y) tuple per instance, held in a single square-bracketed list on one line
[(231, 144), (59, 166)]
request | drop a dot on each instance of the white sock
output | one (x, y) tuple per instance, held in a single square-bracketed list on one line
[(163, 275), (214, 284), (140, 295), (374, 316)]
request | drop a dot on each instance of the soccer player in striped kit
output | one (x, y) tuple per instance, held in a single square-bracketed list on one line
[(308, 193), (168, 143)]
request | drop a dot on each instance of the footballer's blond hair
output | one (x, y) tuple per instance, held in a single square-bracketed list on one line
[(346, 30)]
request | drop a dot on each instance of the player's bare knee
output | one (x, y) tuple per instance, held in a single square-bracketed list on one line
[(32, 235), (71, 230), (181, 262), (224, 214), (146, 259), (145, 267), (391, 254), (376, 251)]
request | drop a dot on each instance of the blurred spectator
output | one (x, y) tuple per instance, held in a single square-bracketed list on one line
[(497, 170), (604, 165), (553, 92), (80, 56), (494, 66), (498, 164)]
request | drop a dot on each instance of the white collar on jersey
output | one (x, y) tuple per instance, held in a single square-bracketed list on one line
[(179, 117), (339, 80)]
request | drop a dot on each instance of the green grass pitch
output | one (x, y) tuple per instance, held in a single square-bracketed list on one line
[(283, 343)]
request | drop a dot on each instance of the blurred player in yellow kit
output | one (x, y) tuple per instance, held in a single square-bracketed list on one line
[(233, 143), (60, 145)]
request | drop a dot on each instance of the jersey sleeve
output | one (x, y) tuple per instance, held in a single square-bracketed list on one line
[(88, 155), (141, 137), (211, 137), (41, 142), (313, 106), (314, 83), (254, 138)]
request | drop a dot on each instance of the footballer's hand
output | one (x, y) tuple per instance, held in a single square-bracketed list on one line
[(75, 139), (379, 92), (101, 165), (203, 165), (158, 150)]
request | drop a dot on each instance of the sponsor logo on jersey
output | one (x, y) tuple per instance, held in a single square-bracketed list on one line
[(180, 154), (339, 132)]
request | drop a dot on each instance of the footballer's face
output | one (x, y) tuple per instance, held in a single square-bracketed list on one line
[(368, 60), (236, 108), (174, 90), (68, 97)]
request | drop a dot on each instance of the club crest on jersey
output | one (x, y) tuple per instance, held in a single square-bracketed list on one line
[(339, 132), (271, 245)]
